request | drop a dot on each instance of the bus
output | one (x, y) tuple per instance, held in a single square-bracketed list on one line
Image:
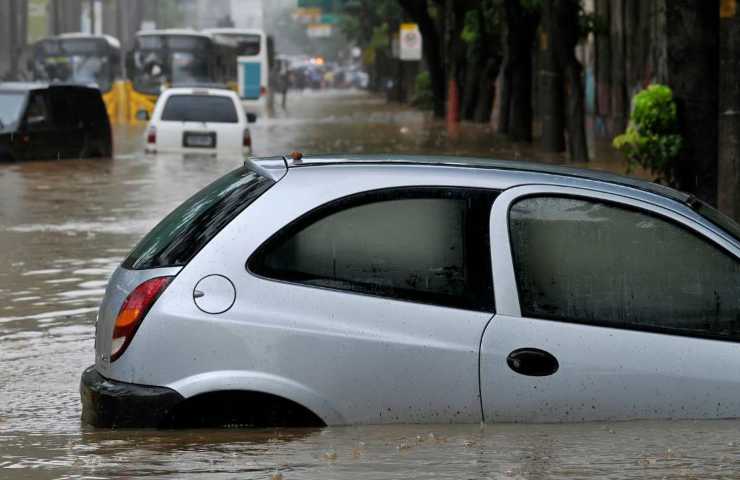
[(253, 54), (174, 57), (81, 58)]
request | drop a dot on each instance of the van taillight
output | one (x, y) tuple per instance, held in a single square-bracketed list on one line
[(247, 138), (263, 91), (151, 135), (133, 311)]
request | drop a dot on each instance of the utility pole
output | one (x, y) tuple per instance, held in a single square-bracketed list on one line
[(91, 8), (729, 109)]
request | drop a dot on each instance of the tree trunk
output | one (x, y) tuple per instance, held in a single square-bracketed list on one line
[(471, 90), (521, 26), (505, 99), (728, 194), (603, 69), (693, 66), (619, 100), (551, 83), (565, 40), (418, 10)]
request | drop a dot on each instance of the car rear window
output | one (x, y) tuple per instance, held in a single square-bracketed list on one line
[(11, 106), (185, 231), (200, 108)]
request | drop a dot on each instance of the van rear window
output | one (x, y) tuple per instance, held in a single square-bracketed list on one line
[(200, 108), (185, 231)]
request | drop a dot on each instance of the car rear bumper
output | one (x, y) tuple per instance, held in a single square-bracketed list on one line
[(112, 404)]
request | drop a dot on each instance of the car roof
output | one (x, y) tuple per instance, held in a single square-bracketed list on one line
[(517, 173), (111, 40), (25, 87), (172, 31), (491, 164), (234, 31), (199, 90), (22, 86)]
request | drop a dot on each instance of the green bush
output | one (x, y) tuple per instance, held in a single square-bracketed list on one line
[(423, 96), (652, 139)]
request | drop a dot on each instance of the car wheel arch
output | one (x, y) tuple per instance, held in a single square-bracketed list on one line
[(259, 383)]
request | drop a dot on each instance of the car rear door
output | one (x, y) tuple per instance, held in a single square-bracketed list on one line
[(608, 308)]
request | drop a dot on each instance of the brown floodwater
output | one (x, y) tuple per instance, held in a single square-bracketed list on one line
[(64, 227)]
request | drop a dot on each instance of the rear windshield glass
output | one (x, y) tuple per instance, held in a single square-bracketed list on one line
[(181, 235), (200, 108), (11, 105)]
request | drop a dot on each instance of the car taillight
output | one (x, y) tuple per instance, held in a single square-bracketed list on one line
[(247, 138), (133, 311), (151, 135), (263, 91)]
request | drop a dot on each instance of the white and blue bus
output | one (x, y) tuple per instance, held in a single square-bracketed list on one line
[(253, 58)]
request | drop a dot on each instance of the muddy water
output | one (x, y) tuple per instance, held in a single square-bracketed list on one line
[(65, 225)]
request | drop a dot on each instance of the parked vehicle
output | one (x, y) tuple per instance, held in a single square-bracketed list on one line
[(39, 121), (361, 290), (202, 120), (84, 59)]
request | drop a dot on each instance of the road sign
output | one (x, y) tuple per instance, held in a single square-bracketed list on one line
[(411, 42)]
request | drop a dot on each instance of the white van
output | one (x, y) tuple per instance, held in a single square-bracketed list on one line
[(253, 64)]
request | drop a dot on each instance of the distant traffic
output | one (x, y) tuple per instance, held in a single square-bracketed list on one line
[(243, 60)]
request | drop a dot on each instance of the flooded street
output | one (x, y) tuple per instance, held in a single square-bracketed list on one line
[(66, 225)]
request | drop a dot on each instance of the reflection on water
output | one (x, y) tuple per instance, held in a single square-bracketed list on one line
[(65, 225)]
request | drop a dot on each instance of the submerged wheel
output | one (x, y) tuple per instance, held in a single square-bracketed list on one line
[(242, 409)]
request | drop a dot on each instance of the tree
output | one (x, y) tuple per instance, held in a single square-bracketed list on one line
[(692, 41), (567, 34), (729, 119), (551, 83), (418, 11), (521, 20)]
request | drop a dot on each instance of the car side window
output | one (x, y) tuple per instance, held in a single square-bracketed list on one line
[(592, 262), (37, 115), (422, 245)]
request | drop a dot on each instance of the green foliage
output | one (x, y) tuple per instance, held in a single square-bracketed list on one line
[(471, 29), (652, 139), (423, 96)]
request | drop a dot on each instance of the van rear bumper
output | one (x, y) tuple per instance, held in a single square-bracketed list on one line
[(112, 404)]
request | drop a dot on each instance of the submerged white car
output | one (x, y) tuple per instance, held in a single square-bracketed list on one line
[(198, 120), (364, 290)]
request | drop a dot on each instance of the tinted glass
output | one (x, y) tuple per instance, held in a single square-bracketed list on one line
[(597, 263), (244, 44), (200, 108), (189, 68), (431, 250), (11, 106), (37, 115), (176, 240)]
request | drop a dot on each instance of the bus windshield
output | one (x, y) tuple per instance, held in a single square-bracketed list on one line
[(247, 45), (83, 61), (162, 61)]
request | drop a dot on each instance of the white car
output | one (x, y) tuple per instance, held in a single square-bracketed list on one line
[(359, 290), (198, 120)]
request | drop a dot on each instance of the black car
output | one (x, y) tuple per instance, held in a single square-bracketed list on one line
[(39, 121)]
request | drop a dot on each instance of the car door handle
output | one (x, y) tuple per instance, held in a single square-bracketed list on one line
[(532, 362)]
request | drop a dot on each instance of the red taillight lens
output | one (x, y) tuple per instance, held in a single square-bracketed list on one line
[(263, 91), (133, 311), (151, 135), (247, 138)]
